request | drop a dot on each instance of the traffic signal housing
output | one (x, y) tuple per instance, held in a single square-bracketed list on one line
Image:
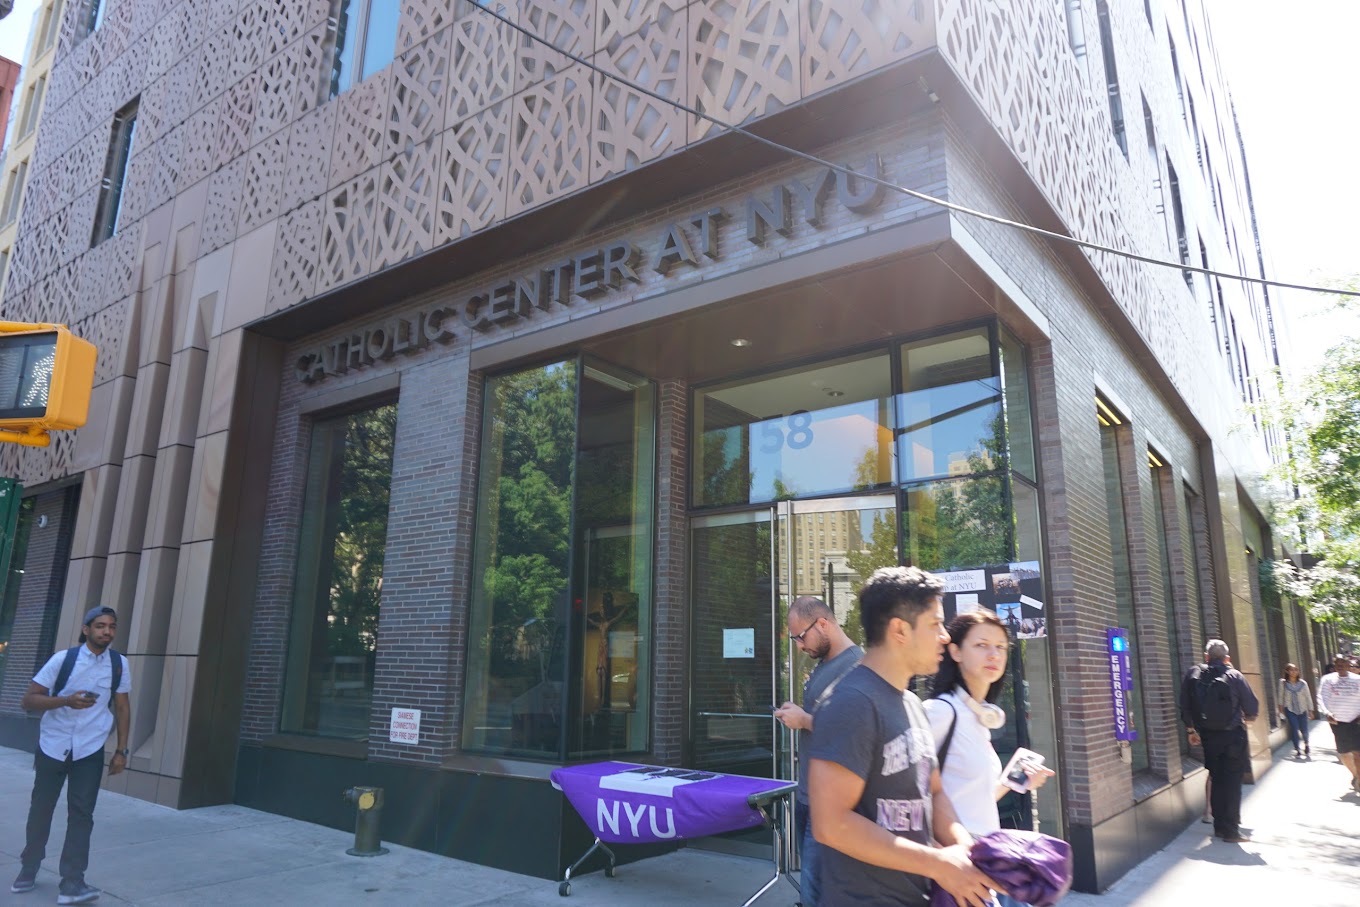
[(46, 376)]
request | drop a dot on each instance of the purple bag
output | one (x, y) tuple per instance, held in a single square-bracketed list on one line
[(1033, 868)]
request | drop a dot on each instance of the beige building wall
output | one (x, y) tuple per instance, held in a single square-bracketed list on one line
[(29, 102)]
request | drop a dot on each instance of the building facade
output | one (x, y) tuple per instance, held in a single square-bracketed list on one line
[(470, 401), (24, 103), (10, 73)]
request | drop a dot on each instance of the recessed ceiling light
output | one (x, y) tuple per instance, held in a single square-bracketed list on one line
[(740, 341), (834, 393)]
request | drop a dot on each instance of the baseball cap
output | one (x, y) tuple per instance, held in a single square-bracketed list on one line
[(97, 612)]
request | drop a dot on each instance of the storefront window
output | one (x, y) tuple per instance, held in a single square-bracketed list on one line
[(328, 690), (958, 523), (1019, 423), (949, 418), (1162, 483), (9, 605), (802, 432), (559, 660), (613, 577), (1123, 578)]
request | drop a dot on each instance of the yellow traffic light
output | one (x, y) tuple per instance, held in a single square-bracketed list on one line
[(46, 375)]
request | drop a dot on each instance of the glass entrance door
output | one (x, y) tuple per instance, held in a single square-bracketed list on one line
[(746, 568)]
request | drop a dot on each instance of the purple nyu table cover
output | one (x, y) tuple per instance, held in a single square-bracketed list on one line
[(627, 803)]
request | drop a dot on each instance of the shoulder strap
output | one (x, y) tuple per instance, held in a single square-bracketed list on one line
[(116, 663), (68, 664), (949, 736)]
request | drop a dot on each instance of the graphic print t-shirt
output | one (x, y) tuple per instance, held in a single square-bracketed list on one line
[(881, 734)]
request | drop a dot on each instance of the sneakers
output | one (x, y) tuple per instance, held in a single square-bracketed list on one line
[(81, 894), (24, 883)]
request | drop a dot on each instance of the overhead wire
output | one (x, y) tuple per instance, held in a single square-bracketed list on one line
[(906, 190)]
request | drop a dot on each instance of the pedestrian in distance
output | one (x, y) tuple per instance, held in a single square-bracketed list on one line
[(822, 638), (1296, 704), (963, 713), (1338, 700), (1216, 703), (878, 808), (82, 693)]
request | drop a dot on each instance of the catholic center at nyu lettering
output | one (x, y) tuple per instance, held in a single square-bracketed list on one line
[(463, 411)]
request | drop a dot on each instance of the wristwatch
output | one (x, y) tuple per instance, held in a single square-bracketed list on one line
[(124, 753)]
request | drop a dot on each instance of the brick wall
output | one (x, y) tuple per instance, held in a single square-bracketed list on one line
[(427, 530), (671, 636), (1088, 350)]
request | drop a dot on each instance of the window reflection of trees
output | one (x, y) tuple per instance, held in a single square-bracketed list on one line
[(361, 531), (533, 424), (961, 522)]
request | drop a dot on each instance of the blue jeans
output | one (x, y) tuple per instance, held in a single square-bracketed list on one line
[(809, 883), (1298, 727)]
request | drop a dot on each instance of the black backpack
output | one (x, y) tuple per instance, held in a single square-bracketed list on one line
[(68, 664), (1214, 700)]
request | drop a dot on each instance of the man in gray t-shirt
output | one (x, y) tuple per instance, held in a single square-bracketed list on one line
[(873, 779), (812, 625), (895, 762)]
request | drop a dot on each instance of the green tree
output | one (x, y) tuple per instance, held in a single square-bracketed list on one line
[(1322, 478)]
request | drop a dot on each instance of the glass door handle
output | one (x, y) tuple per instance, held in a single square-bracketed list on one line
[(735, 715)]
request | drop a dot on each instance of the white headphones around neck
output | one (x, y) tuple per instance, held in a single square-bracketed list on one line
[(988, 714)]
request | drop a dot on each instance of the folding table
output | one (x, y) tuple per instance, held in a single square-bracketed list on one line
[(628, 803)]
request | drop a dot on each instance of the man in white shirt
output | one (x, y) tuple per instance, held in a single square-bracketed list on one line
[(75, 726), (1338, 701)]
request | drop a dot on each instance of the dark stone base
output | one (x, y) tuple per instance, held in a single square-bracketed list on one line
[(19, 732), (1103, 853), (518, 824)]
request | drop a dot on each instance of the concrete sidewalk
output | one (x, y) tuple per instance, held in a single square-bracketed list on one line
[(1307, 849)]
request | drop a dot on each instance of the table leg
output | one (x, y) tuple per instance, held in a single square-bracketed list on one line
[(780, 867), (564, 889)]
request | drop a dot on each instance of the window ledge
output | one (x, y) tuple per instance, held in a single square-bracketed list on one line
[(329, 746)]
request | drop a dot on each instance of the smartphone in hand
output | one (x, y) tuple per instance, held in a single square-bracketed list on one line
[(1016, 773), (90, 695)]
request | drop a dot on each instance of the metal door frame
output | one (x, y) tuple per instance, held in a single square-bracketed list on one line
[(784, 511)]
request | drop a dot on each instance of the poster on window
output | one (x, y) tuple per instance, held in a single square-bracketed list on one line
[(1014, 591)]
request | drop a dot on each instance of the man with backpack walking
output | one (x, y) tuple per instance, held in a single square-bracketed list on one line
[(75, 691), (1216, 701)]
